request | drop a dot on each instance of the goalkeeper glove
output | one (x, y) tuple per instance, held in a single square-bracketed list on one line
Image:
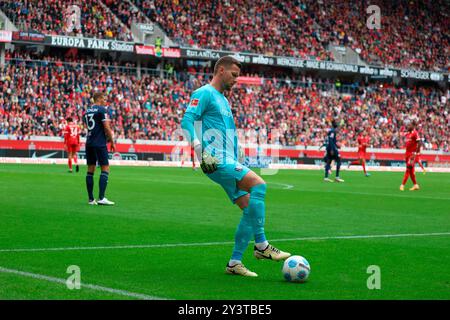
[(208, 163)]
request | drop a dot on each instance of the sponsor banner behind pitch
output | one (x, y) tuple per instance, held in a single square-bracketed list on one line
[(250, 161), (293, 62), (89, 43), (257, 81), (172, 150), (217, 54), (158, 52), (28, 37), (52, 154)]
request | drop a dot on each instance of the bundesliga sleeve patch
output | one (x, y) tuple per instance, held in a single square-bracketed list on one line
[(194, 103)]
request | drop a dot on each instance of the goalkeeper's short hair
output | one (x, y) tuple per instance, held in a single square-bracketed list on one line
[(226, 62)]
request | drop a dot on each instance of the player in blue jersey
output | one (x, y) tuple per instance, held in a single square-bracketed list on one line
[(332, 153), (209, 125), (324, 145), (99, 133)]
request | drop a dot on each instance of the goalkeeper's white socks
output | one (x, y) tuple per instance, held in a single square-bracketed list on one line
[(262, 245), (232, 262)]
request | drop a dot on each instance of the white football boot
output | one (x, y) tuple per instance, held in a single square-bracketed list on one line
[(240, 269), (105, 202), (271, 253)]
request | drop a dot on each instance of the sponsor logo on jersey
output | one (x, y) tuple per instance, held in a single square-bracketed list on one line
[(194, 103)]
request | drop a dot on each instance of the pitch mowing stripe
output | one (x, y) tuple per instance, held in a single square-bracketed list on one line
[(400, 195), (199, 244), (83, 285)]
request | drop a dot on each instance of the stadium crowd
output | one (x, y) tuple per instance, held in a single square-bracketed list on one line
[(59, 17), (305, 28), (125, 12), (286, 28), (399, 42), (246, 26), (303, 113), (36, 97)]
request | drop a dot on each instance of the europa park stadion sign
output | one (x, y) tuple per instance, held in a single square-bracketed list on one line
[(89, 43)]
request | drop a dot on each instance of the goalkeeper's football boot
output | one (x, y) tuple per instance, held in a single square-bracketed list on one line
[(415, 187), (271, 253), (337, 179), (105, 202), (240, 270)]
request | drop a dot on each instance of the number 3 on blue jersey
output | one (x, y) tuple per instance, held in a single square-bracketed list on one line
[(90, 121)]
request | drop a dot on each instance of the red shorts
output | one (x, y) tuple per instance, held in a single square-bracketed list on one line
[(362, 155), (73, 148), (410, 159)]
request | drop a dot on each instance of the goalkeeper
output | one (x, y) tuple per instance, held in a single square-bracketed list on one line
[(217, 152)]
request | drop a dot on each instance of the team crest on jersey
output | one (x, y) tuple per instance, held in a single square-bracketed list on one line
[(194, 103)]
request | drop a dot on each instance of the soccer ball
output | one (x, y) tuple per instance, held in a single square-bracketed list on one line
[(296, 269)]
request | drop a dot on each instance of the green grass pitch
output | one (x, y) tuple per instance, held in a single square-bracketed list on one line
[(43, 206)]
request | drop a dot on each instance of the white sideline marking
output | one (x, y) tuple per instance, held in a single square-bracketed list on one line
[(284, 185), (85, 285), (198, 244)]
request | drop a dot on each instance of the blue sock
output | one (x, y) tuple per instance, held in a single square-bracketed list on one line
[(327, 169), (252, 222), (257, 211), (243, 235), (338, 167), (260, 238), (103, 182), (90, 185)]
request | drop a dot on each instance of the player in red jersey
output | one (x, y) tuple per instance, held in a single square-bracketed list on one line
[(413, 144), (182, 156), (419, 162), (418, 159), (193, 158), (183, 153), (363, 142), (72, 142)]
